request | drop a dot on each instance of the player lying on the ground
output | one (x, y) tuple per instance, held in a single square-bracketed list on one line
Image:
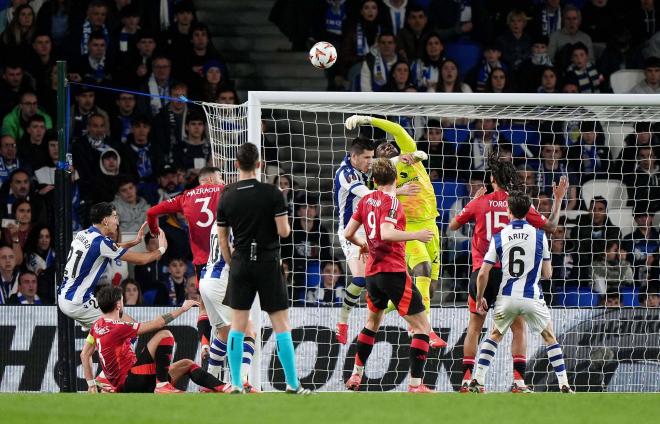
[(150, 371), (489, 212), (525, 257), (384, 222), (212, 288)]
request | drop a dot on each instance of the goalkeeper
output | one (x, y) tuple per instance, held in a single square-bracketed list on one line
[(423, 259)]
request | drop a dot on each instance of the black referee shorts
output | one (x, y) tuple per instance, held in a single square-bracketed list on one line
[(247, 278), (397, 287), (492, 288)]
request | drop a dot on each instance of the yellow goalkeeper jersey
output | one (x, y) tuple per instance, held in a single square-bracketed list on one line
[(421, 207)]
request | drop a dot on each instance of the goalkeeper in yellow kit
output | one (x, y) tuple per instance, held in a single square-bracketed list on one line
[(423, 259)]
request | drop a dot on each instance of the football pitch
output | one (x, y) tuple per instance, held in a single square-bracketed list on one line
[(322, 408)]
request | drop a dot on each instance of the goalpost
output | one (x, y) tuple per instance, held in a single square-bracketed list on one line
[(302, 135)]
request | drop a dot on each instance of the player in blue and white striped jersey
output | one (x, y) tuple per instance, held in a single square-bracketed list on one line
[(525, 257), (212, 289), (91, 251)]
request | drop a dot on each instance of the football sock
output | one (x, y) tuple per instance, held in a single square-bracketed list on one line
[(424, 286), (163, 359), (217, 355), (468, 368), (486, 356), (351, 298), (419, 348), (519, 365), (248, 353), (204, 330), (287, 355), (203, 378), (556, 357), (235, 356), (365, 344)]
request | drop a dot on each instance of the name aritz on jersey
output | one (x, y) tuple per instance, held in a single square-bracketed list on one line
[(518, 236), (373, 202)]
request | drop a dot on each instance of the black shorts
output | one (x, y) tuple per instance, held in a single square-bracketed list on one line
[(247, 278), (492, 288), (397, 287), (142, 376)]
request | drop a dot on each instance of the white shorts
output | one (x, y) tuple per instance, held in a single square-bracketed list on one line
[(213, 292), (350, 250), (534, 311), (86, 314)]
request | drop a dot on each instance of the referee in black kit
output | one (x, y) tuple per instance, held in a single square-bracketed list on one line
[(257, 215)]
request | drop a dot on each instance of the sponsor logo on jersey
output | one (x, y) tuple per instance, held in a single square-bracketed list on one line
[(403, 174)]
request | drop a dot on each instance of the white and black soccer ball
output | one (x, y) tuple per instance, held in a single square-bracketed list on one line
[(323, 55)]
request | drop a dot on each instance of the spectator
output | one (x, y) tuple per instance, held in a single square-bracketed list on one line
[(285, 184), (59, 19), (530, 72), (498, 82), (18, 36), (478, 76), (14, 83), (18, 188), (169, 126), (516, 44), (549, 81), (17, 232), (598, 20), (213, 80), (563, 263), (9, 161), (644, 183), (97, 12), (39, 253), (9, 274), (87, 149), (426, 70), (400, 78), (611, 299), (16, 121), (27, 290), (137, 63), (149, 275), (95, 66), (32, 145), (330, 291), (651, 82), (643, 245), (174, 282), (452, 19), (547, 18), (649, 299), (611, 270), (130, 208), (132, 292), (643, 21), (449, 81), (377, 65), (124, 38), (568, 35), (105, 183), (228, 96), (82, 110), (582, 72), (192, 293), (121, 122), (483, 137), (442, 154), (593, 231), (410, 40), (589, 158), (527, 175), (194, 151), (619, 54), (551, 169), (158, 84), (644, 136), (41, 58), (143, 157), (168, 186), (193, 69), (394, 14), (176, 39), (45, 173)]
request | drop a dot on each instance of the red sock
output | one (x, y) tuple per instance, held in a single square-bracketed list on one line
[(519, 367), (468, 366)]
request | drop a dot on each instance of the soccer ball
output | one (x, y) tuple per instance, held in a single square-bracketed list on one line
[(323, 55)]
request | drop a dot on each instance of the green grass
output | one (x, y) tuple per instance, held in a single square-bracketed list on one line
[(344, 408)]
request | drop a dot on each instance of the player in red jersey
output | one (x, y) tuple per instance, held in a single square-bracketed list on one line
[(199, 205), (387, 274), (489, 212), (150, 371)]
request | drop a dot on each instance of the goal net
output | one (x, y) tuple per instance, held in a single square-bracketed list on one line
[(604, 289)]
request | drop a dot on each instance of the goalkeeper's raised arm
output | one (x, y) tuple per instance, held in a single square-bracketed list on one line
[(401, 136)]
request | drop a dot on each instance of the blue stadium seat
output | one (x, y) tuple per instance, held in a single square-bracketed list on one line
[(519, 136), (458, 134), (149, 297), (313, 274), (446, 193), (576, 297), (466, 54), (629, 296)]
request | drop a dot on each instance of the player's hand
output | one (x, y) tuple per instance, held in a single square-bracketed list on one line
[(424, 236), (162, 240), (140, 234), (482, 306), (479, 193), (189, 304), (356, 120), (408, 159), (364, 252), (560, 190), (408, 189)]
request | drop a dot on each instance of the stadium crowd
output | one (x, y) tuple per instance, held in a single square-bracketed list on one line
[(137, 151)]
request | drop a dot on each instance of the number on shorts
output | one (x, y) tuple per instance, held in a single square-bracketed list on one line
[(371, 223)]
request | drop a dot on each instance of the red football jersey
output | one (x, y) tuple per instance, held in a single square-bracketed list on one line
[(113, 342), (490, 214), (199, 205), (384, 256)]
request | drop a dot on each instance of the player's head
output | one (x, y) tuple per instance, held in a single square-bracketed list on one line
[(247, 157), (519, 204), (386, 150), (383, 172), (503, 174), (210, 175), (362, 153), (110, 298), (104, 214)]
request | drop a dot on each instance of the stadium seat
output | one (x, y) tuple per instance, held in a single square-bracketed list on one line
[(576, 297), (522, 139), (466, 54), (458, 134), (615, 134), (149, 297), (572, 215), (446, 193), (614, 191), (629, 296), (624, 80), (622, 218), (313, 274)]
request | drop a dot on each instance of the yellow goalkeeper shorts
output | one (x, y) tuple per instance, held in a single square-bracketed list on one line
[(418, 252)]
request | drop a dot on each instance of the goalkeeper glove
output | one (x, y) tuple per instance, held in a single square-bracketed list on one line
[(356, 120)]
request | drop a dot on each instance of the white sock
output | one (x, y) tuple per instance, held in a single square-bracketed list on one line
[(556, 357), (248, 353), (217, 354), (486, 356)]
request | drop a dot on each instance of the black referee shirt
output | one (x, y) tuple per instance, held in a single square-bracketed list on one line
[(249, 207)]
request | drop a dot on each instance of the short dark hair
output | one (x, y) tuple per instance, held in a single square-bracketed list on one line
[(383, 171), (36, 118), (99, 211), (23, 273), (195, 116), (519, 203), (125, 179), (96, 35), (208, 170), (600, 199), (579, 46), (247, 157), (360, 144), (108, 296), (141, 119)]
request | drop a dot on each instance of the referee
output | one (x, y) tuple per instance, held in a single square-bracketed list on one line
[(257, 215)]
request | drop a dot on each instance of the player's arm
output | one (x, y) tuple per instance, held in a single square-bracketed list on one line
[(467, 214), (350, 234), (410, 158), (138, 238), (401, 136), (163, 208), (281, 213), (86, 360), (389, 233), (143, 258), (223, 239), (558, 193), (546, 267), (162, 320)]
